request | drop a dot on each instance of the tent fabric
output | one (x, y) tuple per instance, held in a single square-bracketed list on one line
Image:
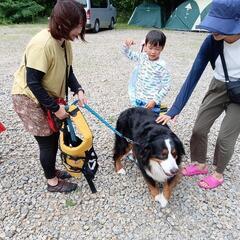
[(146, 15), (188, 14)]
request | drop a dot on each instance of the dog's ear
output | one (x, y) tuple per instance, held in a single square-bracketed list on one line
[(146, 153), (179, 145), (143, 153)]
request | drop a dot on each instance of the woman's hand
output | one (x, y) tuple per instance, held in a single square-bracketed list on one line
[(163, 119), (81, 98), (61, 113), (150, 105)]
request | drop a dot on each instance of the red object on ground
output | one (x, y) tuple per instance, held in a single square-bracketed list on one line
[(2, 128)]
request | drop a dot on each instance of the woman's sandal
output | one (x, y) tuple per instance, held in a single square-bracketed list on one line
[(62, 186), (210, 182), (193, 169)]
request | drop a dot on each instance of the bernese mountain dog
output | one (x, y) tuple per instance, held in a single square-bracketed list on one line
[(155, 148)]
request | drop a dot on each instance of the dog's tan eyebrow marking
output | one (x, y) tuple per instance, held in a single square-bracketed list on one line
[(165, 151), (164, 154), (174, 152)]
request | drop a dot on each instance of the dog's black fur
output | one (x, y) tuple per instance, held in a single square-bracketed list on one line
[(138, 124)]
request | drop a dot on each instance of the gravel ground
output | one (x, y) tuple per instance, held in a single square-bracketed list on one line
[(122, 208)]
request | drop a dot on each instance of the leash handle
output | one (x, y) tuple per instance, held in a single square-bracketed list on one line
[(71, 129), (70, 126)]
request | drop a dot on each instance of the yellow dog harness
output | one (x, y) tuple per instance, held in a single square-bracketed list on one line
[(77, 154)]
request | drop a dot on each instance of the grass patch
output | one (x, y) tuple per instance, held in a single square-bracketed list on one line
[(70, 203), (43, 22), (111, 119), (36, 21), (126, 26)]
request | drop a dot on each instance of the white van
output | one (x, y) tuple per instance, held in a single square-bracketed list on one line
[(100, 14)]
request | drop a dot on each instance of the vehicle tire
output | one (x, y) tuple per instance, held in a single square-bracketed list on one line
[(111, 25), (96, 27)]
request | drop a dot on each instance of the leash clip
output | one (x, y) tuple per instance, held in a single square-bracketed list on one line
[(129, 140)]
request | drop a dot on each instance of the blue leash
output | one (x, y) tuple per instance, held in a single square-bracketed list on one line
[(105, 122)]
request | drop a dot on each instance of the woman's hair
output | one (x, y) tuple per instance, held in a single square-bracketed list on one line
[(156, 38), (67, 15)]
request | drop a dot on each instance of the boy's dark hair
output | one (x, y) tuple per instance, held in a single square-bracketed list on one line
[(156, 38), (65, 16)]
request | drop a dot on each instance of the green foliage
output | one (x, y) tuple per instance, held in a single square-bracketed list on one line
[(122, 25), (47, 4), (15, 11), (70, 203), (125, 8)]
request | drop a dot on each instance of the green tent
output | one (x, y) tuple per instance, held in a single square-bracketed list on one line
[(147, 15), (188, 14)]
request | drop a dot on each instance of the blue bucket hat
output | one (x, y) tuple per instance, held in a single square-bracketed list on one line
[(223, 17)]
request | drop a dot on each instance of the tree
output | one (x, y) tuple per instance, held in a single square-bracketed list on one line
[(15, 11), (48, 5)]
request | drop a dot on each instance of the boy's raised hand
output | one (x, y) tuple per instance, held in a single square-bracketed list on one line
[(129, 42)]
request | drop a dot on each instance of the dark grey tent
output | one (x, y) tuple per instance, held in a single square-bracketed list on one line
[(147, 15)]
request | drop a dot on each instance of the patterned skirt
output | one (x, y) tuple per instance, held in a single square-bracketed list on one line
[(32, 115)]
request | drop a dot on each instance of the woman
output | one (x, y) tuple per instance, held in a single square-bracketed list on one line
[(223, 21), (42, 78)]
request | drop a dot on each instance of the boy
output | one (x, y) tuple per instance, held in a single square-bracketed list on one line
[(150, 80)]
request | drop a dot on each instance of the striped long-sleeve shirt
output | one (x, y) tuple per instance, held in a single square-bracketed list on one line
[(153, 79)]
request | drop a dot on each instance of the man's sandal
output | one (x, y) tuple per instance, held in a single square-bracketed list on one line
[(210, 182), (193, 169)]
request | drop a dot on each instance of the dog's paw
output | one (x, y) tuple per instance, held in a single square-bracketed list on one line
[(121, 171), (162, 200)]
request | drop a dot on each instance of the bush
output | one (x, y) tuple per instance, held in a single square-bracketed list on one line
[(125, 8), (16, 11)]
